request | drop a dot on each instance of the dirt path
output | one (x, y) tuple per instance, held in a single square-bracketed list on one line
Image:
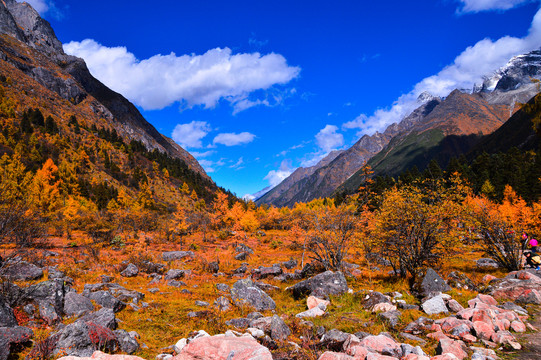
[(531, 341)]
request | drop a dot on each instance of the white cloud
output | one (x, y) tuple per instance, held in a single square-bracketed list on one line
[(199, 155), (486, 5), (468, 69), (232, 139), (190, 135), (329, 139), (208, 165), (275, 177), (192, 80), (238, 164)]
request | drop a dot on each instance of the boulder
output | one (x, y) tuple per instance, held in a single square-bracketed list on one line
[(12, 338), (239, 323), (334, 339), (435, 305), (130, 271), (419, 326), (264, 272), (98, 355), (245, 292), (312, 302), (241, 256), (175, 274), (103, 317), (222, 347), (222, 303), (7, 317), (105, 299), (446, 346), (313, 312), (128, 344), (461, 281), (392, 318), (77, 305), (278, 329), (176, 255), (382, 344), (454, 306), (331, 355), (243, 248), (374, 298), (222, 287), (431, 283), (290, 264), (22, 271), (82, 338), (487, 263), (321, 285)]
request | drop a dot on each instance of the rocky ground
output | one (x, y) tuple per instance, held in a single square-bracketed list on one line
[(499, 318)]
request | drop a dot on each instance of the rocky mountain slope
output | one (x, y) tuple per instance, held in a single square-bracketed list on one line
[(29, 45), (437, 129)]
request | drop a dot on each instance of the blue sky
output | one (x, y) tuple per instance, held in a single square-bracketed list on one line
[(255, 89)]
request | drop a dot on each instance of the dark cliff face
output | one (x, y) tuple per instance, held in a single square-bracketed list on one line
[(68, 76)]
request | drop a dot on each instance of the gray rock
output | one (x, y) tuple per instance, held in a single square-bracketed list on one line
[(411, 337), (22, 271), (392, 318), (375, 298), (516, 308), (222, 287), (262, 323), (105, 299), (278, 329), (239, 323), (83, 338), (7, 317), (241, 256), (106, 278), (487, 263), (461, 281), (130, 271), (128, 344), (254, 315), (418, 326), (431, 283), (222, 303), (290, 264), (435, 305), (77, 305), (246, 292), (242, 269), (454, 306), (175, 274), (54, 273), (175, 283), (176, 255), (150, 267), (244, 248), (321, 285), (214, 267), (13, 338), (334, 339), (103, 317), (201, 303), (406, 306), (264, 272)]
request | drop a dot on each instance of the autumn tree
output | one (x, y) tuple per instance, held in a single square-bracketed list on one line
[(499, 227), (417, 224), (45, 188), (330, 233)]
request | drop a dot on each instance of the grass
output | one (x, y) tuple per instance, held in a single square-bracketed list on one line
[(166, 320)]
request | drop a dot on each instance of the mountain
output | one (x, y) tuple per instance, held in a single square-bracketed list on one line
[(30, 45), (51, 107), (321, 180)]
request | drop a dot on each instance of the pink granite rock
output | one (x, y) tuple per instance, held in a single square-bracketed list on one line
[(518, 326), (331, 355), (483, 330), (98, 355), (313, 302), (446, 346), (220, 347), (376, 356), (381, 344), (488, 278)]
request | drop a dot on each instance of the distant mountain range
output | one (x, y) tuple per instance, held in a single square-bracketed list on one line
[(438, 129)]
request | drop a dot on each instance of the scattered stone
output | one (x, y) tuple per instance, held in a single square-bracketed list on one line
[(435, 305), (103, 317), (82, 337), (175, 274), (413, 338), (446, 346), (130, 271), (7, 317), (12, 338), (431, 282), (313, 312), (176, 255), (243, 248), (461, 281), (176, 283), (312, 302), (290, 264), (331, 355), (392, 318), (454, 306), (374, 298), (222, 303), (516, 308), (245, 292), (221, 347), (264, 272), (383, 307), (22, 271), (77, 305), (107, 300), (201, 303), (223, 287), (487, 263), (334, 339), (241, 256), (278, 329), (321, 285), (128, 343), (419, 326), (239, 323), (382, 344)]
